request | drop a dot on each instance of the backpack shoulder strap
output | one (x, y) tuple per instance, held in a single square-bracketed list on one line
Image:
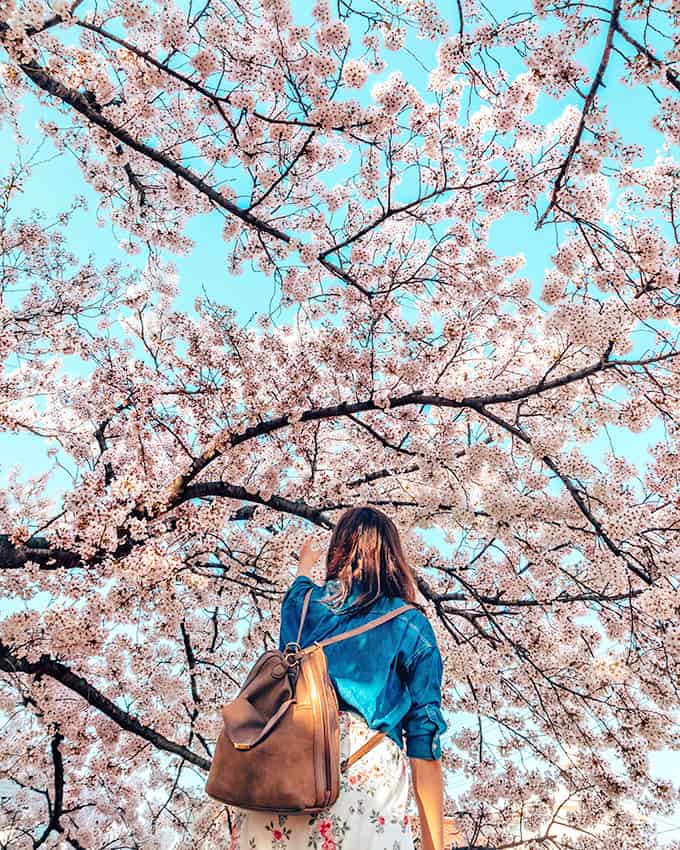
[(356, 631), (305, 606), (366, 626)]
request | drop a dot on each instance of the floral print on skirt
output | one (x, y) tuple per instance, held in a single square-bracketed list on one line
[(370, 812)]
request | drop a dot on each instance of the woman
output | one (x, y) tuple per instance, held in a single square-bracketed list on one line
[(388, 678)]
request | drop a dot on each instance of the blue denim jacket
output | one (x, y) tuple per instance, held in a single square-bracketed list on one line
[(391, 674)]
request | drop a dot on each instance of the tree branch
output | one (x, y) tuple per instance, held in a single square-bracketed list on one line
[(10, 662)]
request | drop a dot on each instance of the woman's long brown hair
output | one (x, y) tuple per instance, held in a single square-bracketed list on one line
[(366, 545)]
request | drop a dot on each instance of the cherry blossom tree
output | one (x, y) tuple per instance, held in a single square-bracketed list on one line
[(400, 362)]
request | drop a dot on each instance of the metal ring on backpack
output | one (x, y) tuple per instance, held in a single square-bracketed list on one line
[(290, 655)]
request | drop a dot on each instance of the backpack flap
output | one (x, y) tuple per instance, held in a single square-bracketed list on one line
[(265, 697)]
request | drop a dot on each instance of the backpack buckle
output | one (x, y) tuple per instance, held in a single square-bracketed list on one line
[(290, 655)]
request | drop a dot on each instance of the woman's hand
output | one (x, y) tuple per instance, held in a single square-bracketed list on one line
[(309, 555)]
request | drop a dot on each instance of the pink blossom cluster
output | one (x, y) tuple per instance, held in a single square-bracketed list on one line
[(515, 412), (355, 73), (333, 36), (394, 93), (394, 37)]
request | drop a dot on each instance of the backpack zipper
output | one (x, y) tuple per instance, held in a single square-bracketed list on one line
[(326, 754)]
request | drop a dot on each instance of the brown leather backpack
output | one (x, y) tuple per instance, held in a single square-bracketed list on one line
[(279, 747)]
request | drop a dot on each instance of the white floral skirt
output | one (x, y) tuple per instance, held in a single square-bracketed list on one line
[(370, 812)]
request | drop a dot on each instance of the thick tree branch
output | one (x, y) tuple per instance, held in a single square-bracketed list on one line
[(10, 662), (279, 503), (181, 489)]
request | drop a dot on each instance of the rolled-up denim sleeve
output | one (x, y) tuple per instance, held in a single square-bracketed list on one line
[(424, 722), (291, 609)]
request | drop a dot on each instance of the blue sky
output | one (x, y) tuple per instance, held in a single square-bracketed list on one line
[(55, 182)]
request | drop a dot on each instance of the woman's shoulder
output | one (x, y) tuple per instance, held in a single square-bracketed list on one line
[(299, 582), (413, 624), (418, 631), (382, 604), (298, 588), (414, 617)]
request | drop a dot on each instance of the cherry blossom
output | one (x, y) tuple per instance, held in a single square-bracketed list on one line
[(517, 416)]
